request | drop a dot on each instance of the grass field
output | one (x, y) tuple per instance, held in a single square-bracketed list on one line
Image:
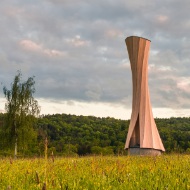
[(123, 172)]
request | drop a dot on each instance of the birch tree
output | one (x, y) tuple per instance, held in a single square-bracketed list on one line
[(21, 109)]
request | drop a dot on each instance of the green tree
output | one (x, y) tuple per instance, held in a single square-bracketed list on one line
[(21, 108)]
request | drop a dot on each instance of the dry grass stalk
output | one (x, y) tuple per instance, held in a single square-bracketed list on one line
[(52, 156), (37, 178)]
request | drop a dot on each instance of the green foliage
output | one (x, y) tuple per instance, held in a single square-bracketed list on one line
[(84, 135), (70, 150), (102, 151), (93, 135), (175, 133), (22, 109), (84, 132)]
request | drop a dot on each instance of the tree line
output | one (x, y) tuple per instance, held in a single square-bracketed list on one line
[(82, 135)]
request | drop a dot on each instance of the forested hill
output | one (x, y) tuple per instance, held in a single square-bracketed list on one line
[(88, 134), (82, 135)]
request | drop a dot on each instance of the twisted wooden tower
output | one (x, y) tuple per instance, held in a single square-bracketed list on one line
[(143, 137)]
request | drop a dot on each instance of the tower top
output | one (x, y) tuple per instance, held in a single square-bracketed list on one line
[(137, 37)]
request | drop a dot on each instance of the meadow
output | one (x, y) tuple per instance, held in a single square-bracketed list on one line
[(97, 172)]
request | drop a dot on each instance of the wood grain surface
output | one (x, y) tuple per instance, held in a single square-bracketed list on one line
[(142, 131)]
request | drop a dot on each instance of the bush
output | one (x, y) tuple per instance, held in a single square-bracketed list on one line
[(108, 150)]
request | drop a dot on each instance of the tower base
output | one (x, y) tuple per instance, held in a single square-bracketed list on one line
[(144, 151)]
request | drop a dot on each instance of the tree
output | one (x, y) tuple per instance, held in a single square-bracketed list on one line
[(21, 108)]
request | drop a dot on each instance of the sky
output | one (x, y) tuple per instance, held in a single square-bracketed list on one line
[(76, 51)]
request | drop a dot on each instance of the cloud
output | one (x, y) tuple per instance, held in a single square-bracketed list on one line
[(28, 44), (32, 46), (162, 18), (184, 84), (78, 42)]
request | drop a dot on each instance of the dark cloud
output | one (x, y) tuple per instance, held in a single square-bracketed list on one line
[(76, 48)]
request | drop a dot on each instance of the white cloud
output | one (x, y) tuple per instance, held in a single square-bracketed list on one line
[(102, 50), (84, 108), (183, 83), (113, 33), (77, 41), (32, 46), (162, 18), (160, 68)]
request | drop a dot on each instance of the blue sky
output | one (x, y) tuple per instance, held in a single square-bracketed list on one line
[(77, 53)]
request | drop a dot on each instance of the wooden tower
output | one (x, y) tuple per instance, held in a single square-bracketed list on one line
[(143, 137)]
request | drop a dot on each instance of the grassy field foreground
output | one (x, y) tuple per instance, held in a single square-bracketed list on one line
[(127, 172)]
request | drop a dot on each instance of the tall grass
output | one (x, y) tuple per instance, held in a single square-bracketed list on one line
[(117, 173)]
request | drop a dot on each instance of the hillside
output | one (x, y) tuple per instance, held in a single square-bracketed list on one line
[(88, 134), (82, 135)]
